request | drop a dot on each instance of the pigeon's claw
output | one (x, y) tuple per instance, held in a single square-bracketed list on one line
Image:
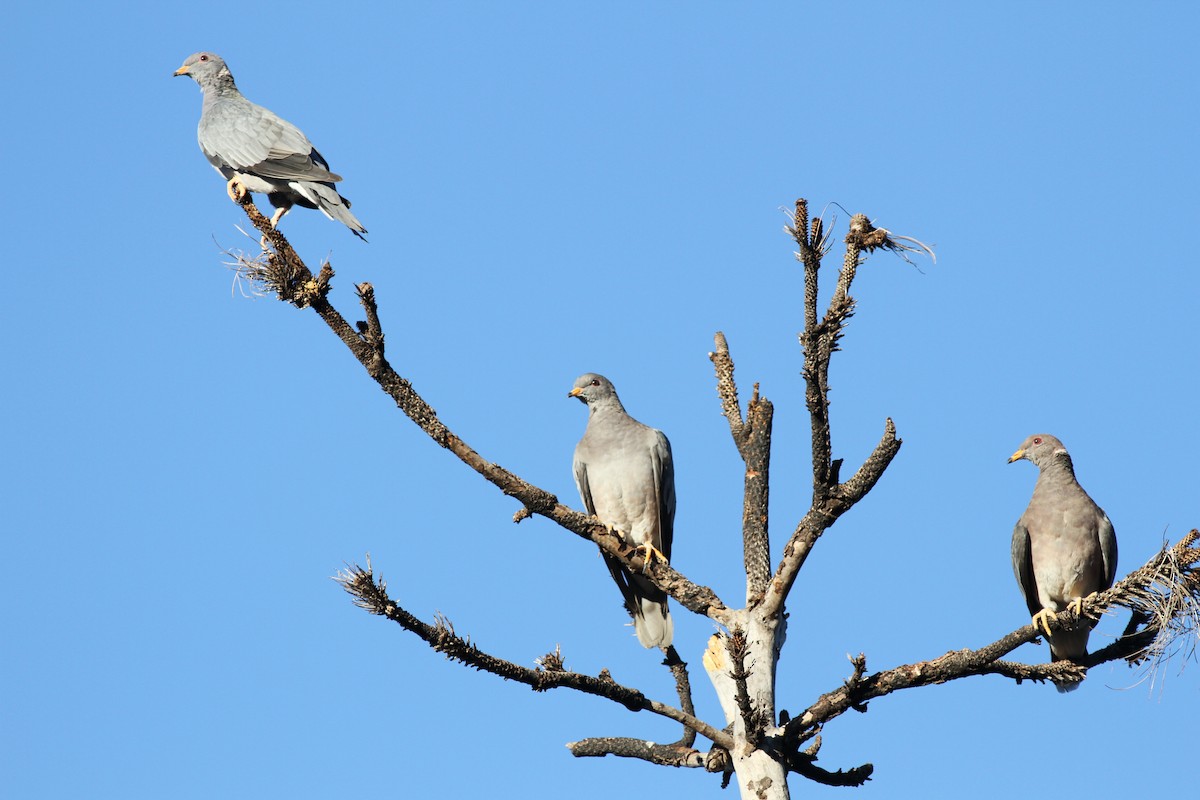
[(1041, 620), (650, 552), (237, 190), (1076, 605)]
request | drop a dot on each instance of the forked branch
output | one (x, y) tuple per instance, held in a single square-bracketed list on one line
[(752, 437), (819, 340)]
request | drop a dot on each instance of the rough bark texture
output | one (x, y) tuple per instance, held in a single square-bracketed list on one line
[(752, 437)]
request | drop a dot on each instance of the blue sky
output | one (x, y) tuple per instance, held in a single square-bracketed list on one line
[(550, 191)]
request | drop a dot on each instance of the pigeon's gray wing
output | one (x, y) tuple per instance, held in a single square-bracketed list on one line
[(664, 479), (1022, 560), (273, 156), (581, 482), (249, 138), (1108, 549)]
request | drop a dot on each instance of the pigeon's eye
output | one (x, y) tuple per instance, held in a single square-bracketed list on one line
[(204, 58), (595, 381), (1037, 440)]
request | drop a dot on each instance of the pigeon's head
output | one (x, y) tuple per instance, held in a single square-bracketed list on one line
[(1041, 449), (592, 388), (205, 69)]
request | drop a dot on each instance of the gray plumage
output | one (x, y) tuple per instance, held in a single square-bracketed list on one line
[(1063, 547), (626, 478), (252, 147)]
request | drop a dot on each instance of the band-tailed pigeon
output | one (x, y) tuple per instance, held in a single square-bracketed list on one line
[(257, 151), (625, 477), (1063, 547)]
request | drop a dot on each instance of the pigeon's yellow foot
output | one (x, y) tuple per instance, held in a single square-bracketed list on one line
[(1076, 605), (1042, 619), (278, 215), (237, 189), (650, 553)]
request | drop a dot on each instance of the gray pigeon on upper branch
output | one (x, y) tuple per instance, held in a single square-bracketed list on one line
[(1063, 547), (257, 151), (626, 479)]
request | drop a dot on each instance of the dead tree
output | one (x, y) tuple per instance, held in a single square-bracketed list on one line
[(754, 744)]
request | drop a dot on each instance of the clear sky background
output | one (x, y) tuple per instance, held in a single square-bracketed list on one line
[(552, 189)]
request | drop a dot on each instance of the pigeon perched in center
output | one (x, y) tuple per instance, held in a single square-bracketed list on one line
[(257, 151), (626, 479), (1063, 548)]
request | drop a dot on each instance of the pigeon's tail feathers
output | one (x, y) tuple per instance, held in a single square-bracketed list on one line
[(646, 603), (1069, 645), (324, 197), (654, 625)]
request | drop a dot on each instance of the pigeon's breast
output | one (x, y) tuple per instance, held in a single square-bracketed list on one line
[(1064, 565), (623, 497)]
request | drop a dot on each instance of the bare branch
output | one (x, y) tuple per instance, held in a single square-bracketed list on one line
[(372, 595), (859, 228), (837, 500), (735, 645), (856, 776), (819, 340), (1164, 593), (1164, 597), (756, 451), (670, 755), (683, 687), (812, 248), (371, 331), (727, 388), (872, 469), (752, 437)]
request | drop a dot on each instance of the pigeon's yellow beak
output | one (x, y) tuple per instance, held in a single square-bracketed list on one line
[(575, 392), (1017, 456), (184, 70)]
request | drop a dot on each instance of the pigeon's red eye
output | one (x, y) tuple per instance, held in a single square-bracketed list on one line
[(1037, 440), (204, 58), (595, 382)]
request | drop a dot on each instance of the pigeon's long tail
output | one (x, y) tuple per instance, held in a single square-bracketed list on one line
[(646, 603), (648, 606), (654, 625), (332, 205), (1069, 645)]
